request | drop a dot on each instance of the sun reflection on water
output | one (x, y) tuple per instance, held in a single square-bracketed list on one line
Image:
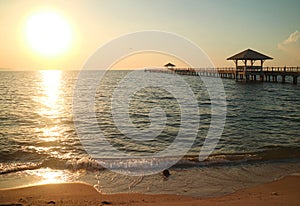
[(50, 176), (51, 83), (50, 134), (51, 101)]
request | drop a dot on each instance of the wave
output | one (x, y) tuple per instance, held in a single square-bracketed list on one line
[(53, 163), (267, 153), (17, 167)]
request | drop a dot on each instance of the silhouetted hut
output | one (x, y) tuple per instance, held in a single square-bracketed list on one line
[(248, 56), (169, 66)]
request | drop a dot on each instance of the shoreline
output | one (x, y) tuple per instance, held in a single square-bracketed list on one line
[(285, 191)]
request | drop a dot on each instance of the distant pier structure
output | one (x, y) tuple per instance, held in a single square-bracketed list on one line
[(248, 67), (248, 71), (170, 66)]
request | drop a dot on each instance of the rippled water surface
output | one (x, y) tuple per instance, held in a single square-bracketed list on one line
[(37, 131)]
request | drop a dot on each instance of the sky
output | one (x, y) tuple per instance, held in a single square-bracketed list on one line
[(220, 28)]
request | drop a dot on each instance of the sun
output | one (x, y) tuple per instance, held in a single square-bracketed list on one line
[(48, 33)]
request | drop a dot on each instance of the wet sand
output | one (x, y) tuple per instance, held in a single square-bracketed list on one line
[(285, 191)]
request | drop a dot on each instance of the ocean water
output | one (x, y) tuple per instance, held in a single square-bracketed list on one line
[(40, 143)]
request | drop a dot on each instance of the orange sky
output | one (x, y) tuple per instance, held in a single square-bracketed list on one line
[(220, 28)]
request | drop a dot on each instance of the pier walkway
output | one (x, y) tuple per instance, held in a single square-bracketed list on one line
[(247, 71), (242, 73)]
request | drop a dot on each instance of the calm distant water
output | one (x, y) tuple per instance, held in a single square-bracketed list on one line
[(37, 131)]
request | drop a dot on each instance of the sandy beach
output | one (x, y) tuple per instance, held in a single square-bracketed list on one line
[(285, 191)]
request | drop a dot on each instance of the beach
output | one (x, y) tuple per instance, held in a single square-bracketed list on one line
[(285, 191), (149, 103)]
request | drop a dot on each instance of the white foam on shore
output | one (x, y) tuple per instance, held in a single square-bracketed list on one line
[(205, 181), (198, 181)]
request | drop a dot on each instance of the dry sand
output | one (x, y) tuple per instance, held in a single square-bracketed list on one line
[(281, 192)]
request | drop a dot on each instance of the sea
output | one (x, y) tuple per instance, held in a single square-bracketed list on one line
[(43, 141)]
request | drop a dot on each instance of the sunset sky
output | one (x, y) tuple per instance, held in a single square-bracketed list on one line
[(77, 28)]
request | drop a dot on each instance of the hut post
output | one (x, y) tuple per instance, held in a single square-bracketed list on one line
[(236, 69)]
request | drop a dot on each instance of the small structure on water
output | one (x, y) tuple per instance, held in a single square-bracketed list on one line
[(246, 70), (169, 66)]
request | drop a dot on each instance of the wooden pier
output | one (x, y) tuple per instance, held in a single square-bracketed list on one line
[(267, 74), (243, 72)]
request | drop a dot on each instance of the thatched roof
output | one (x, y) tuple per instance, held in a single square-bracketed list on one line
[(169, 65), (249, 55)]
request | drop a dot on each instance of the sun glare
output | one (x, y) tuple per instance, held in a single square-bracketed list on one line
[(48, 33), (52, 103), (51, 85), (49, 176)]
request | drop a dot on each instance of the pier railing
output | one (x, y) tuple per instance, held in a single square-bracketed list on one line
[(282, 69), (232, 69), (249, 68), (244, 73)]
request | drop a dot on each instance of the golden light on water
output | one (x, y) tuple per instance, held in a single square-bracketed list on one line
[(50, 134), (52, 177), (49, 176), (51, 101), (51, 83)]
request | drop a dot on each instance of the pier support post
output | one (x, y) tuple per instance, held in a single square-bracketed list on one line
[(283, 78), (261, 77), (295, 79), (247, 77)]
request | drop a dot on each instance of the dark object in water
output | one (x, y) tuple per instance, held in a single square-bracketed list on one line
[(106, 202), (166, 173), (11, 205)]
